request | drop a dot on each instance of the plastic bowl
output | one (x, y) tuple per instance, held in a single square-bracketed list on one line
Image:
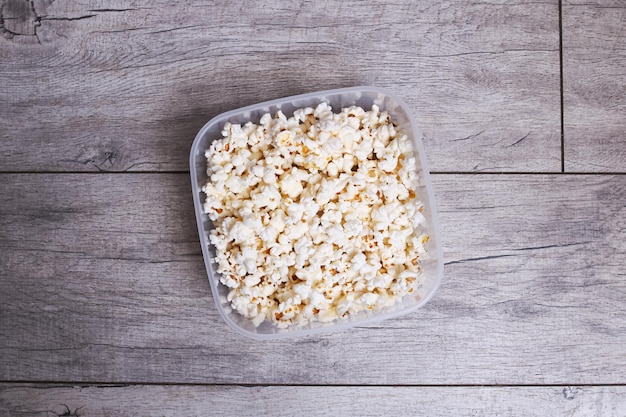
[(361, 96)]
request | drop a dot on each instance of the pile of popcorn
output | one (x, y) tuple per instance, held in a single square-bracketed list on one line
[(315, 216)]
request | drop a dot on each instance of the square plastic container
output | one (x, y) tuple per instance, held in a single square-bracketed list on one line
[(364, 97)]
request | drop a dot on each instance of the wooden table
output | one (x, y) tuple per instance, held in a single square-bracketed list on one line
[(105, 308)]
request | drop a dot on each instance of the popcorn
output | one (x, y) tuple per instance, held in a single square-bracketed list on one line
[(290, 186), (316, 215)]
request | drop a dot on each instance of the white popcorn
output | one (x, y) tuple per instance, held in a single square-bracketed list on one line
[(358, 261), (239, 233), (294, 211), (258, 171), (290, 186), (316, 216), (352, 228), (268, 234), (251, 281), (296, 231)]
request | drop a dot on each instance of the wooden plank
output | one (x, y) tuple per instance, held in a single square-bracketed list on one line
[(44, 400), (594, 85), (102, 280), (107, 86)]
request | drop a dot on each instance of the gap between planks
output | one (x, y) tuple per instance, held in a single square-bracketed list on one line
[(252, 385), (561, 91)]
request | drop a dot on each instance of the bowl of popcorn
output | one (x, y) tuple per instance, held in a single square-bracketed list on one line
[(315, 213)]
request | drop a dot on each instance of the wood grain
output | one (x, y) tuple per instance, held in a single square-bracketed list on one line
[(102, 280), (45, 400), (594, 82), (113, 86)]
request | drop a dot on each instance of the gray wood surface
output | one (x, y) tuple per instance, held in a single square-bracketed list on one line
[(113, 86), (594, 85), (103, 281), (47, 400), (105, 308)]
